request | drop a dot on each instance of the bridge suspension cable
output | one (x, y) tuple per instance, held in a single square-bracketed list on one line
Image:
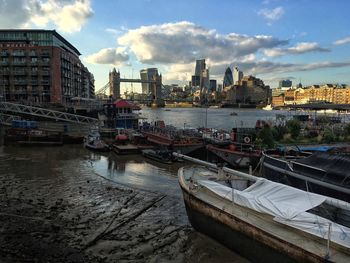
[(102, 90)]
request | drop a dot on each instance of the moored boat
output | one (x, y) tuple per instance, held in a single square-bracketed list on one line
[(184, 141), (325, 173), (162, 156), (216, 137), (32, 137), (182, 145), (94, 142), (268, 107), (237, 155), (262, 220)]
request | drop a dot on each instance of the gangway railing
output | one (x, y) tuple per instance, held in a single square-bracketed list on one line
[(47, 113), (6, 119)]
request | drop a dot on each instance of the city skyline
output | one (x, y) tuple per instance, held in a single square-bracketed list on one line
[(273, 40)]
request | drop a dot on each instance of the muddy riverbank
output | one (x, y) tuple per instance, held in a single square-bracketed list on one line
[(55, 207)]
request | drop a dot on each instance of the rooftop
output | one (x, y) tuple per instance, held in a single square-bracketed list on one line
[(53, 32)]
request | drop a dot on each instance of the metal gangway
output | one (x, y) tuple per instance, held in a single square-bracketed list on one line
[(7, 119), (46, 113)]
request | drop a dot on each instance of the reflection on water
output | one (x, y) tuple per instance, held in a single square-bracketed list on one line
[(133, 171), (136, 171)]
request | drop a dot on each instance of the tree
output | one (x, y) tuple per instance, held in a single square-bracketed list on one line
[(279, 131), (347, 129), (328, 136), (294, 128), (266, 137)]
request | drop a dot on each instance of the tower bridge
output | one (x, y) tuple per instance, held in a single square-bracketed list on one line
[(154, 81)]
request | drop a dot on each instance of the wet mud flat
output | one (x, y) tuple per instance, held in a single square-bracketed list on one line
[(54, 208)]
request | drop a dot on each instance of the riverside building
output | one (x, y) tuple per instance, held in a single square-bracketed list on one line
[(40, 66), (329, 93)]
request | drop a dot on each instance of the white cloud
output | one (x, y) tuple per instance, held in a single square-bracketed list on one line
[(184, 42), (10, 18), (299, 48), (112, 56), (67, 15), (263, 67), (175, 47), (342, 41), (271, 15), (116, 32), (178, 72)]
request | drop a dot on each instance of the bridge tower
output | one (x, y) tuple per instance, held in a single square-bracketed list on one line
[(114, 83), (157, 91), (156, 86)]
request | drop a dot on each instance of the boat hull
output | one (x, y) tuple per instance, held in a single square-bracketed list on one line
[(235, 158), (247, 240), (96, 149), (186, 149), (183, 148), (155, 157)]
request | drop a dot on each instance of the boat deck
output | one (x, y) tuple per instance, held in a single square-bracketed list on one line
[(126, 149)]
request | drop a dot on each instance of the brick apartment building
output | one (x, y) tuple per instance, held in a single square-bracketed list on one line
[(40, 66)]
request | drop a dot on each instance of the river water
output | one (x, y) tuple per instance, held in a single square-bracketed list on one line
[(223, 118)]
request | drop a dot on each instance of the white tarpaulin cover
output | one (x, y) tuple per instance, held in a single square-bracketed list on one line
[(287, 204), (277, 199), (319, 226), (269, 197)]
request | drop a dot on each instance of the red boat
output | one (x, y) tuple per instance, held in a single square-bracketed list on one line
[(182, 145)]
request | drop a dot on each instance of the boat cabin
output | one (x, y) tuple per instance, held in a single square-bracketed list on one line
[(120, 114)]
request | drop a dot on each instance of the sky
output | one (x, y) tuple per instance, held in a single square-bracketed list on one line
[(306, 41)]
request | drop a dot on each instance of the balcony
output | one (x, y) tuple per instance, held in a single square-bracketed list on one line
[(45, 82), (45, 73), (20, 82), (4, 63), (4, 54), (4, 72), (45, 54), (18, 54), (33, 54), (33, 82), (19, 72), (20, 92), (19, 62), (33, 73), (44, 63)]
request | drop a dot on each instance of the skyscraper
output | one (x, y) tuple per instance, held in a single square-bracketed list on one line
[(285, 83), (212, 85), (200, 66), (237, 75), (147, 75), (228, 78), (196, 78)]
